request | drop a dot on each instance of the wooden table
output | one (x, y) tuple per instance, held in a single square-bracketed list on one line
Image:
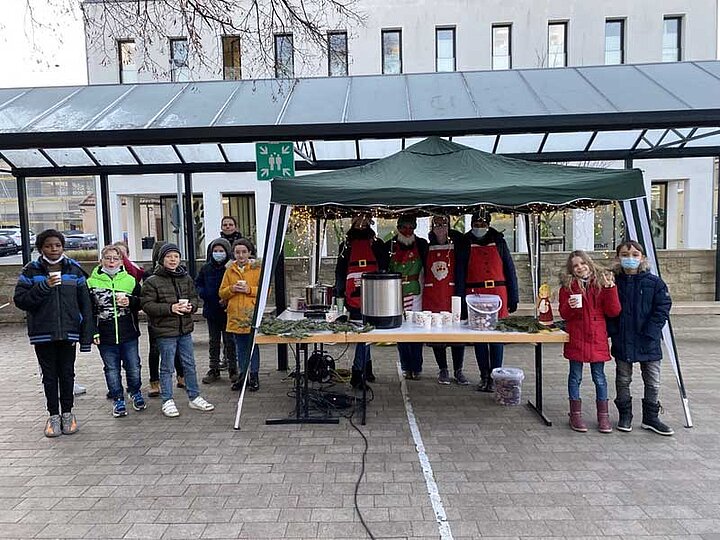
[(410, 333)]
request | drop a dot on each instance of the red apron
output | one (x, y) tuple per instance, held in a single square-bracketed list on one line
[(439, 278), (362, 259), (485, 274)]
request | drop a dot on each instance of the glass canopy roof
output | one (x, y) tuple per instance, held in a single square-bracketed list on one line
[(608, 112)]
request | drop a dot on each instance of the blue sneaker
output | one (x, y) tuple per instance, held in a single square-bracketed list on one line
[(138, 402), (119, 408)]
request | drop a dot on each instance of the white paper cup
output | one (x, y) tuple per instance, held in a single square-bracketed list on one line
[(427, 321), (56, 273), (447, 318), (183, 301), (436, 319), (410, 316), (577, 297), (241, 282)]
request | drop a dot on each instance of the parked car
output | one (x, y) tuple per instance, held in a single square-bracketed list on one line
[(8, 246), (76, 240), (14, 233)]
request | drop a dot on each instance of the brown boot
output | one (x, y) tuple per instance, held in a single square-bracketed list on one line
[(603, 418), (576, 419)]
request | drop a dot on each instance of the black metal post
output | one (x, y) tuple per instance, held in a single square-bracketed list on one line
[(189, 225), (280, 306), (24, 218), (105, 206)]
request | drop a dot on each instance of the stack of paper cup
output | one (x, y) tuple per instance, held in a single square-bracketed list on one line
[(436, 319), (447, 318), (456, 308)]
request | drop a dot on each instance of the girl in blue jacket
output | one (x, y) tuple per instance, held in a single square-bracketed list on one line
[(636, 335)]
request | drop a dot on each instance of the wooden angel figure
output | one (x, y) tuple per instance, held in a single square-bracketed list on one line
[(545, 313)]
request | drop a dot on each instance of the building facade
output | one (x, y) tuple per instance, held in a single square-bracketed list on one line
[(403, 36)]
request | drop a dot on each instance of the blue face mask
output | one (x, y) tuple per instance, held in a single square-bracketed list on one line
[(219, 256), (479, 232), (629, 263)]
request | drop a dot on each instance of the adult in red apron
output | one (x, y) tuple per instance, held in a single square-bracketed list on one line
[(442, 282), (407, 253), (490, 270), (361, 252)]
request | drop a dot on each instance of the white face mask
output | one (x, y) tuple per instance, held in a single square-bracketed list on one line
[(111, 271), (479, 232), (53, 262)]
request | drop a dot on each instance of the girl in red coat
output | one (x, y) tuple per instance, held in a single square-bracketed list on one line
[(587, 297)]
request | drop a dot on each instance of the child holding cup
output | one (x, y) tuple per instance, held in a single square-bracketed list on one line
[(587, 296), (53, 292), (115, 295)]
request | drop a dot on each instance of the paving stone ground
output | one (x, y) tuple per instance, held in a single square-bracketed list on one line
[(500, 472)]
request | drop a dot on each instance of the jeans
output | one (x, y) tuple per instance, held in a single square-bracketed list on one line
[(411, 356), (57, 363), (597, 371), (651, 379), (217, 333), (457, 352), (183, 347), (154, 359), (489, 356), (112, 356), (362, 356), (242, 344)]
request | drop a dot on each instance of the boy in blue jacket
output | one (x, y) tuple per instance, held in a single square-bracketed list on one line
[(207, 284), (636, 335), (53, 292)]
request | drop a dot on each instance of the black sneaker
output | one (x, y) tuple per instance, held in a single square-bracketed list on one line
[(253, 382), (211, 376)]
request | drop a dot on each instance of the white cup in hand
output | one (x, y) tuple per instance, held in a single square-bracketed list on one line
[(54, 278), (576, 301)]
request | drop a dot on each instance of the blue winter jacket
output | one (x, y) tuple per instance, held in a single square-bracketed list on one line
[(637, 332), (209, 279)]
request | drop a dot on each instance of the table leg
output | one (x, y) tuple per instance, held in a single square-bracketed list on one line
[(538, 406), (302, 412)]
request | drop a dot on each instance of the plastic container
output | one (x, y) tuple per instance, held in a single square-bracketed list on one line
[(483, 311), (508, 385)]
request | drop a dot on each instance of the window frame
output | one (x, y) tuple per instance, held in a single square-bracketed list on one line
[(345, 56), (120, 43), (276, 37), (174, 68), (383, 33), (453, 29), (564, 24), (679, 19), (492, 45), (223, 40), (621, 22)]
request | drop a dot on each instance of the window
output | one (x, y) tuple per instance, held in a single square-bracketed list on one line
[(391, 52), (614, 42), (126, 60), (501, 46), (284, 51), (658, 213), (231, 58), (337, 54), (445, 49), (672, 44), (557, 44), (179, 70)]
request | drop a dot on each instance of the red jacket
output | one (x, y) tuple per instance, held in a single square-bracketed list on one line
[(586, 325)]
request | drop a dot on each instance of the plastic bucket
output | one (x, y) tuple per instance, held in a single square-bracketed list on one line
[(483, 311), (508, 385)]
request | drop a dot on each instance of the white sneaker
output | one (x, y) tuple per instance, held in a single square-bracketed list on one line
[(79, 389), (200, 404), (169, 409)]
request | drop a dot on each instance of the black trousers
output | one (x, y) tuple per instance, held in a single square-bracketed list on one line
[(154, 359), (458, 356), (57, 363), (217, 333)]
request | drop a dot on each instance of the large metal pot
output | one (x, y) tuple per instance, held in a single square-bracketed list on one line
[(319, 296), (382, 304)]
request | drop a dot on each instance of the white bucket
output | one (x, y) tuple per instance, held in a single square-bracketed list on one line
[(483, 311)]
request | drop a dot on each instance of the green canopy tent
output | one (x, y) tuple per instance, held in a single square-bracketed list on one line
[(438, 175)]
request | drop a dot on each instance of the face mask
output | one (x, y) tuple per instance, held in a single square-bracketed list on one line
[(53, 262), (629, 263), (479, 231), (219, 257), (111, 271)]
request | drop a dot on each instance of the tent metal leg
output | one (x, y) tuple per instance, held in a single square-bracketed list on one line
[(302, 404), (538, 405)]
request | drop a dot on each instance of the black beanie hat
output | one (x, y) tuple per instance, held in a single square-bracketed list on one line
[(481, 215), (167, 248)]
